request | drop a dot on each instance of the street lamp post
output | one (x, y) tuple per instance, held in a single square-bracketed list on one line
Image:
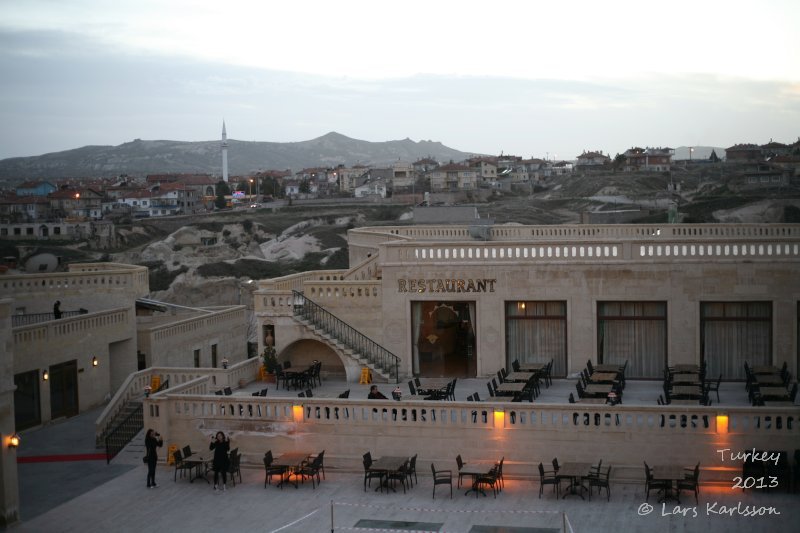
[(250, 190)]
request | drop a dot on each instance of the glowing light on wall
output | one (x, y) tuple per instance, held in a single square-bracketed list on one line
[(297, 413), (499, 418), (722, 423)]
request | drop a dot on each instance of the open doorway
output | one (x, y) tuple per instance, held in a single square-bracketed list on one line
[(443, 339), (64, 389)]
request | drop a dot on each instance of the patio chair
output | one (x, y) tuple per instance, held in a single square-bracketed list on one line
[(180, 465), (369, 475), (589, 367), (651, 484), (318, 373), (254, 393), (490, 479), (500, 478), (491, 391), (494, 386), (287, 364), (548, 374), (412, 470), (478, 398), (187, 451), (499, 377), (601, 481), (345, 394), (309, 394), (793, 393), (411, 388), (442, 477), (321, 461), (398, 475), (460, 463), (451, 390), (713, 387), (227, 391), (234, 465), (515, 365), (263, 392), (270, 470), (311, 470), (547, 478), (691, 483), (218, 392), (571, 398)]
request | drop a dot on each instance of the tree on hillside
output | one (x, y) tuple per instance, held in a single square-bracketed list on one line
[(222, 190)]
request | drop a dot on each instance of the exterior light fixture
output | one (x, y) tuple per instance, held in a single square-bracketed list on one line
[(297, 413), (722, 423), (45, 375), (499, 418), (94, 361), (13, 440)]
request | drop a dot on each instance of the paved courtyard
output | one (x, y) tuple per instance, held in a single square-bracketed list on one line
[(88, 495)]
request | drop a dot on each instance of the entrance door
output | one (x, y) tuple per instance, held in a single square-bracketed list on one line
[(27, 411), (444, 339), (64, 389)]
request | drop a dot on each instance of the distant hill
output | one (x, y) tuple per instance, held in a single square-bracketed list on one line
[(138, 158)]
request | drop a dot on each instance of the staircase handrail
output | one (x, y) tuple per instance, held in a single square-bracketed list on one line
[(345, 333), (121, 435)]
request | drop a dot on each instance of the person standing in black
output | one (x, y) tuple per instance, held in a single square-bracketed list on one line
[(221, 446), (57, 309), (152, 440)]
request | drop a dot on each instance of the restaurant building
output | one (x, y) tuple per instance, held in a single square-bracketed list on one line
[(454, 301)]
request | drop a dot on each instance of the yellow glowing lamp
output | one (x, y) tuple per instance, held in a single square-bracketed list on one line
[(297, 413), (722, 423), (13, 441), (499, 418)]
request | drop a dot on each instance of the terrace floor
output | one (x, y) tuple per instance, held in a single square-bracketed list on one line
[(80, 495)]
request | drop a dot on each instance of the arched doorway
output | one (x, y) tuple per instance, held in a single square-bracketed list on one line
[(305, 351)]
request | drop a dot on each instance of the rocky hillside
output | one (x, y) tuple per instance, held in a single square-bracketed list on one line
[(139, 158)]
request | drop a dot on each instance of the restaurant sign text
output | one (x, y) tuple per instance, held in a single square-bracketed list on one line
[(445, 285)]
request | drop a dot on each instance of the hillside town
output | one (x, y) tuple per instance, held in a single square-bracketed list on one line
[(87, 208)]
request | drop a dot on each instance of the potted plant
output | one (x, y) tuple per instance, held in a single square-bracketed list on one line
[(269, 363)]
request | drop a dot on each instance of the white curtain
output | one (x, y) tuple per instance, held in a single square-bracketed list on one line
[(635, 332), (735, 332), (537, 333)]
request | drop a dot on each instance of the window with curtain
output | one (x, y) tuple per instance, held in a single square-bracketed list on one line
[(732, 333), (536, 332), (635, 332)]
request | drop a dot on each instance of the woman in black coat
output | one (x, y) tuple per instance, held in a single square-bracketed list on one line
[(221, 446), (152, 440)]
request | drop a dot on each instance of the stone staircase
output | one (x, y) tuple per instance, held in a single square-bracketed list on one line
[(127, 410), (378, 373)]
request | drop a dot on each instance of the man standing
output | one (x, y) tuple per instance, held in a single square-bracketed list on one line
[(57, 309)]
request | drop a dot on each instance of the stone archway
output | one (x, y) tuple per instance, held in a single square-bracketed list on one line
[(304, 351)]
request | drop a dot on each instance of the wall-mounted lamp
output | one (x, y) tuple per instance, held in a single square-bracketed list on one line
[(45, 375), (297, 413), (722, 423), (13, 441), (94, 361), (499, 418)]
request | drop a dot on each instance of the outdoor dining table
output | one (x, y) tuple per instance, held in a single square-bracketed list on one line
[(290, 462), (574, 472), (510, 388), (765, 369), (686, 390), (476, 469), (199, 467), (685, 368), (292, 372), (669, 473), (387, 463), (597, 401), (603, 377), (607, 367), (684, 402), (769, 379), (521, 376), (779, 403), (774, 393), (595, 389), (686, 378), (532, 367)]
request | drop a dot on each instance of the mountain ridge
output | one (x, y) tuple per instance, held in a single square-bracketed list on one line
[(141, 157)]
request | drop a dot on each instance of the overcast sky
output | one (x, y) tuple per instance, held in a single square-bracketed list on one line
[(530, 78)]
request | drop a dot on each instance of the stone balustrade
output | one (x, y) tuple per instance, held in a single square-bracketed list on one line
[(84, 276)]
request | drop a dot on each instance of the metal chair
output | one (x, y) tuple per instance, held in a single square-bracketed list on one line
[(442, 477), (547, 478), (270, 470)]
